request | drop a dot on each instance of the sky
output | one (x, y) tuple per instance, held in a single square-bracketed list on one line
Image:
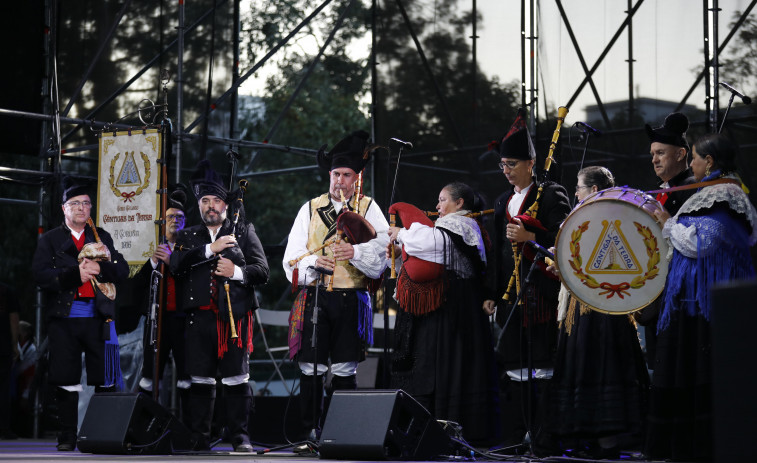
[(667, 49)]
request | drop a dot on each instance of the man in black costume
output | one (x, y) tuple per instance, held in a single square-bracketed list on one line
[(173, 319), (214, 263), (77, 289), (669, 149), (515, 222)]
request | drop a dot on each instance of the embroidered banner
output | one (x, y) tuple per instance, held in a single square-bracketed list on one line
[(127, 199)]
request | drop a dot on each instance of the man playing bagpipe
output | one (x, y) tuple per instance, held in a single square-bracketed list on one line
[(216, 265), (345, 320)]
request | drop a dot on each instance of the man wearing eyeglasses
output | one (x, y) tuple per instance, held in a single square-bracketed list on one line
[(173, 319), (77, 311), (514, 226)]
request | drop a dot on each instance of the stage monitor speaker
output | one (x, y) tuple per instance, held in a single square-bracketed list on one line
[(118, 423), (734, 379), (381, 425)]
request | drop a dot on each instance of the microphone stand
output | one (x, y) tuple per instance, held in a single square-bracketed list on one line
[(153, 320), (315, 432), (529, 440), (728, 108), (387, 359)]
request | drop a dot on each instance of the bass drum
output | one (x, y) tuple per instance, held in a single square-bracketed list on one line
[(611, 253)]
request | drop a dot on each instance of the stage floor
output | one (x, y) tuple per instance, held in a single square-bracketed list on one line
[(43, 450)]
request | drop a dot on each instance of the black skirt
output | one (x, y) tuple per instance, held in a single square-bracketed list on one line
[(600, 382), (445, 360)]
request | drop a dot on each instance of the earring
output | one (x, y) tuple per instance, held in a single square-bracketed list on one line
[(707, 171)]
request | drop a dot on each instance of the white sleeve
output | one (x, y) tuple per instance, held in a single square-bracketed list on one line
[(370, 258), (683, 238), (297, 246), (423, 242)]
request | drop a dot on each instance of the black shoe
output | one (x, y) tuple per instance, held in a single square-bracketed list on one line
[(241, 443), (66, 447), (66, 441)]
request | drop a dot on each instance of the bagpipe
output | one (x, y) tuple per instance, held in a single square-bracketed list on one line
[(351, 227), (420, 285), (98, 252), (235, 253)]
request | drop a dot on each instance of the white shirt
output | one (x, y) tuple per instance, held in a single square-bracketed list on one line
[(513, 207), (369, 258)]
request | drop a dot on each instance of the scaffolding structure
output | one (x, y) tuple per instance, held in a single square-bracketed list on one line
[(55, 115)]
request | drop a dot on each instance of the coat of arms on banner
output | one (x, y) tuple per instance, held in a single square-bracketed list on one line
[(128, 203)]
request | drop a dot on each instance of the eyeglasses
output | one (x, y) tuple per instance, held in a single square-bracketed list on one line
[(177, 217), (85, 204), (581, 187), (509, 164)]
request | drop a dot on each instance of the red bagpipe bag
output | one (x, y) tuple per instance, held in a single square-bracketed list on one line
[(420, 284)]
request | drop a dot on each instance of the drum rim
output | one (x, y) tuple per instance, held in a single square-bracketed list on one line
[(583, 203)]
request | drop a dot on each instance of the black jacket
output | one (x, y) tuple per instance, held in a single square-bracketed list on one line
[(554, 207), (676, 199), (55, 267), (192, 271)]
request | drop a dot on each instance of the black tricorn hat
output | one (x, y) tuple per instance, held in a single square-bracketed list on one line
[(349, 152), (205, 181), (672, 132), (177, 200), (517, 143), (74, 187)]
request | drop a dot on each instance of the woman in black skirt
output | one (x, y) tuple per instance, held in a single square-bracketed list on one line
[(600, 380)]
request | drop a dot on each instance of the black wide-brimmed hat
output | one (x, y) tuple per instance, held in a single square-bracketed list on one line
[(517, 143), (672, 132), (206, 182), (74, 187), (349, 152), (177, 199)]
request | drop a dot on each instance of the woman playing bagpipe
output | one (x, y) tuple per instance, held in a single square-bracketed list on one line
[(443, 351)]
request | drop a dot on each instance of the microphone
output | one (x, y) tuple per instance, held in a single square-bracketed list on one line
[(591, 129), (320, 270), (541, 250), (406, 143), (745, 99)]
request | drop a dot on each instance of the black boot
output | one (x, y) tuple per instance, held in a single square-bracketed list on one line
[(238, 400), (68, 418), (341, 383), (202, 399), (309, 391), (183, 412)]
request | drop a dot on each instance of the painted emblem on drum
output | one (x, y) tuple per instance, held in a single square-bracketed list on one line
[(128, 176), (612, 254), (599, 259)]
